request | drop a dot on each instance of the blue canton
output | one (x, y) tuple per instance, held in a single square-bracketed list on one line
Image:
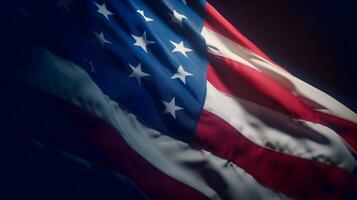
[(148, 56)]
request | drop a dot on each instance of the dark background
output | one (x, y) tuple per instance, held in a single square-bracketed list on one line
[(314, 40)]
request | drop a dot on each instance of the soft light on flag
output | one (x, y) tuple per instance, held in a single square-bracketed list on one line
[(174, 97)]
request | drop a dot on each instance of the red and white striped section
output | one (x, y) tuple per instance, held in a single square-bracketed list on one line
[(163, 167), (292, 137)]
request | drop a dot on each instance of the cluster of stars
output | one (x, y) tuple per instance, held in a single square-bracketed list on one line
[(142, 42)]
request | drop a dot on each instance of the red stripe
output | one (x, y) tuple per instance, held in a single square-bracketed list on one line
[(290, 175), (125, 160), (216, 22), (239, 80)]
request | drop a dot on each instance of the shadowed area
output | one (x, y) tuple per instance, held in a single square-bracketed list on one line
[(314, 40)]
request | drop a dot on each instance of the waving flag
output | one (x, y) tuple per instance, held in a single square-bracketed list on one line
[(171, 95)]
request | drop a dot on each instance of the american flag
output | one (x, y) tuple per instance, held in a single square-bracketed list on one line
[(169, 94)]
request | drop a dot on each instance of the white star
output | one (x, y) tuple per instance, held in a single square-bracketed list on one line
[(137, 73), (181, 74), (141, 12), (179, 47), (177, 17), (141, 41), (92, 69), (101, 39), (170, 107), (65, 4), (102, 9), (90, 63)]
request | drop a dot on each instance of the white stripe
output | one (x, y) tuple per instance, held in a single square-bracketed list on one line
[(273, 130), (38, 143), (214, 177), (222, 46), (75, 158)]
